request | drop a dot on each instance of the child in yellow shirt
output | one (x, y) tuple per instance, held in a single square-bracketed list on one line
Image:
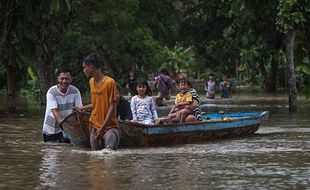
[(181, 108)]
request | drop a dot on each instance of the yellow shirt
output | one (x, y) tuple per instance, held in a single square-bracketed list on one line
[(187, 97), (102, 95)]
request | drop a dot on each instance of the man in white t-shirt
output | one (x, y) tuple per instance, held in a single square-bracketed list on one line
[(60, 101)]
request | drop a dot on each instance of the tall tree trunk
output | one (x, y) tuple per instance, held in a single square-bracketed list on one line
[(45, 65), (291, 76), (263, 71), (6, 24), (269, 77), (45, 78), (271, 82), (10, 70)]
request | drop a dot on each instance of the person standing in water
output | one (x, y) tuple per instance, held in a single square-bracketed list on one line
[(103, 124), (210, 87), (225, 87), (60, 101), (131, 83), (164, 84)]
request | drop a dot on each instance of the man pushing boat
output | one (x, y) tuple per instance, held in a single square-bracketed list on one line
[(103, 124), (60, 101)]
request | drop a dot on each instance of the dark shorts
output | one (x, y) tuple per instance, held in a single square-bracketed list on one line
[(110, 139), (58, 137)]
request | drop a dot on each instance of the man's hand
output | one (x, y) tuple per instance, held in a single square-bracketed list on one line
[(99, 133), (80, 109), (84, 108)]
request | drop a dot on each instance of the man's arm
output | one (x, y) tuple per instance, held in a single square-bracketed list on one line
[(56, 114), (84, 108), (51, 104), (221, 85), (78, 99)]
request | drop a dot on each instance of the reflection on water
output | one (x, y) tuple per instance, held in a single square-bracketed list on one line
[(276, 157)]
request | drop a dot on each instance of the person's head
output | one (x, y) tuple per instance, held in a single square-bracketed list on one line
[(211, 77), (143, 88), (164, 71), (132, 73), (64, 79), (225, 77), (183, 76), (183, 85), (90, 64)]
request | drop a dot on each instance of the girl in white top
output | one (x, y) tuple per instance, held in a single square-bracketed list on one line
[(142, 105)]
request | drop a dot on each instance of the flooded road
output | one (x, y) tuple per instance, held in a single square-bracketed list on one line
[(277, 157)]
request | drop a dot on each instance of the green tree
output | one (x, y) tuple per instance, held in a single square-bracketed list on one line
[(126, 34), (207, 28), (290, 19), (8, 18)]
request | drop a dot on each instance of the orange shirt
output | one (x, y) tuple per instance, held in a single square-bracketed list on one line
[(102, 95)]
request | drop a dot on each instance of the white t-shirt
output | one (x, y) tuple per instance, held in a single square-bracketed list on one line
[(64, 102), (143, 110)]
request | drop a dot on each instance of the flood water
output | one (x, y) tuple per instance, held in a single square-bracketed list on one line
[(277, 157)]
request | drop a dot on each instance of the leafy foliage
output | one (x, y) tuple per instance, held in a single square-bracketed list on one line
[(289, 15), (241, 38)]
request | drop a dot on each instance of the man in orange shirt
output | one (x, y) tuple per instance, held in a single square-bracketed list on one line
[(103, 125)]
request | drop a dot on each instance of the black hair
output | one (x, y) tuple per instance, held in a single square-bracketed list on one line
[(64, 70), (142, 81), (119, 88), (164, 71), (225, 74), (178, 81), (92, 60)]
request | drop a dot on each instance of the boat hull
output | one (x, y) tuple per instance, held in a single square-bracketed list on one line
[(76, 126), (139, 139), (215, 126), (138, 135)]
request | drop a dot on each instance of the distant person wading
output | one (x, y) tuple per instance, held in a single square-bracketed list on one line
[(164, 84)]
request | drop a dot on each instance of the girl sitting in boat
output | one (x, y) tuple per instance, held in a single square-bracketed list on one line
[(142, 105)]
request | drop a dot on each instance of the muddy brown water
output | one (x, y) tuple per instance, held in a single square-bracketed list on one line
[(276, 157)]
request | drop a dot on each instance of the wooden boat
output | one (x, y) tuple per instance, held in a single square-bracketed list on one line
[(214, 126), (76, 126)]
